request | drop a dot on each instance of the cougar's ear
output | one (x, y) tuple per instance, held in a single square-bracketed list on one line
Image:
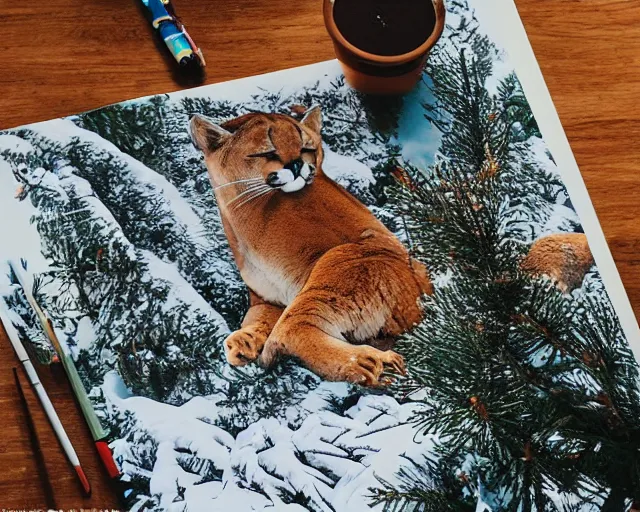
[(313, 119), (206, 135)]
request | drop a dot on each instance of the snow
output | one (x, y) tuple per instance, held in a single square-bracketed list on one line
[(540, 151), (488, 25), (443, 279), (315, 460), (180, 208), (19, 236), (502, 68), (85, 336), (562, 219), (343, 168), (174, 428), (63, 131), (14, 143), (115, 388), (99, 211), (79, 186)]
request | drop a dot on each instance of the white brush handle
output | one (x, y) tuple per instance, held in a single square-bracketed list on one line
[(51, 413)]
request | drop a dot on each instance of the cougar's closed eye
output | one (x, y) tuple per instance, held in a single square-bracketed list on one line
[(272, 156)]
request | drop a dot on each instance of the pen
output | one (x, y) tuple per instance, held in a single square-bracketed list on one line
[(173, 33)]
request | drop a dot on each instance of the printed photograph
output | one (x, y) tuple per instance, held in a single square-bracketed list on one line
[(281, 294)]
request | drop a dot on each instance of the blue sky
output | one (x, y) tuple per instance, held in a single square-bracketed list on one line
[(420, 140)]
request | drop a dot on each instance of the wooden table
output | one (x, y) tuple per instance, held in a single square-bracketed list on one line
[(61, 57)]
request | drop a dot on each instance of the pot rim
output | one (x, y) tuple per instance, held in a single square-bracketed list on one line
[(337, 36)]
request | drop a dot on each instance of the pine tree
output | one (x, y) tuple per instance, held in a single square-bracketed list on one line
[(165, 346), (533, 393), (154, 133), (148, 221), (423, 487)]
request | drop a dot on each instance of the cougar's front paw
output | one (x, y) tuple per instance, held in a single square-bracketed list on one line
[(244, 346), (367, 364)]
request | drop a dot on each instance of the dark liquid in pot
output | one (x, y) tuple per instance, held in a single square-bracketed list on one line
[(385, 27)]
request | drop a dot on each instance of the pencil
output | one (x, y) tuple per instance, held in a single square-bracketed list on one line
[(49, 410), (36, 446)]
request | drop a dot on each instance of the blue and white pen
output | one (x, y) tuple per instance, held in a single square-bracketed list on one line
[(173, 33)]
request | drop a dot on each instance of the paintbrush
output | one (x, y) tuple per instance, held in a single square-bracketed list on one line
[(49, 410)]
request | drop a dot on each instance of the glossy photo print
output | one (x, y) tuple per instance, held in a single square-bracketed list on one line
[(280, 294)]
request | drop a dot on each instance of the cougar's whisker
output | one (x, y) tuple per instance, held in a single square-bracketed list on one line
[(250, 180), (250, 189), (257, 195)]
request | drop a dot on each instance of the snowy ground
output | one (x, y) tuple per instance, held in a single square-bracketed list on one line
[(331, 460)]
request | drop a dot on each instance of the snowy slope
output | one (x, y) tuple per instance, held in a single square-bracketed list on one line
[(63, 131), (70, 204), (150, 210)]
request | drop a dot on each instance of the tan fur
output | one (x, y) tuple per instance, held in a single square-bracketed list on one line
[(565, 258), (327, 279)]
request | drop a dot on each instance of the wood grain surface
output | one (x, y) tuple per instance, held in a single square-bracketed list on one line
[(62, 57)]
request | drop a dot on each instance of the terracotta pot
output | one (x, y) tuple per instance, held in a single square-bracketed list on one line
[(378, 74)]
